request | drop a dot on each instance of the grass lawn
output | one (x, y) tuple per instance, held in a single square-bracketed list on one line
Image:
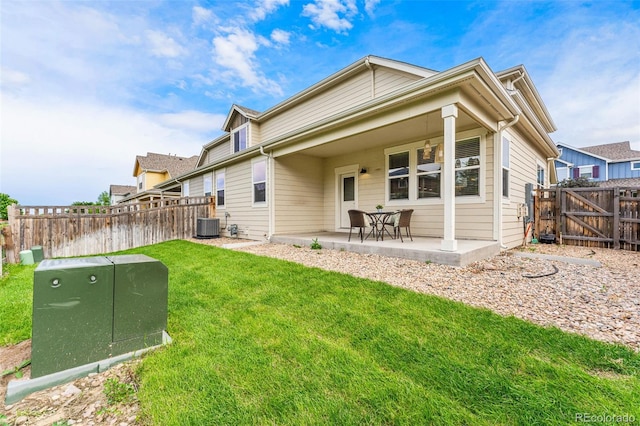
[(263, 341)]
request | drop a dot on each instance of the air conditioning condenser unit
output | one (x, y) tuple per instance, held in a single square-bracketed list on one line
[(207, 228)]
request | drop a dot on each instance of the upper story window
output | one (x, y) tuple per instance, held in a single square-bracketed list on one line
[(239, 137), (141, 182), (185, 189), (635, 165), (220, 188)]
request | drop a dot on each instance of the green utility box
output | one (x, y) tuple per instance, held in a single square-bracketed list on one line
[(90, 309)]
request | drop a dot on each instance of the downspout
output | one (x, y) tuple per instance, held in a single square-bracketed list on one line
[(497, 199), (270, 192), (373, 77)]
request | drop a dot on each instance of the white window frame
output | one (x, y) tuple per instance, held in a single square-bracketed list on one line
[(565, 171), (254, 182), (413, 179), (635, 165), (541, 167), (185, 188), (585, 168), (207, 183), (141, 178), (506, 167), (244, 127), (218, 174)]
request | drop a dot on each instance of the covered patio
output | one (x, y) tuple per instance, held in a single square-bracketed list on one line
[(424, 249)]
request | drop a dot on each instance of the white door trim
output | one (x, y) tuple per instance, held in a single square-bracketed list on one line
[(338, 172)]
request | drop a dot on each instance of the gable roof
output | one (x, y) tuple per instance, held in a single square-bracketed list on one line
[(328, 82), (161, 163), (613, 151), (122, 189), (238, 109)]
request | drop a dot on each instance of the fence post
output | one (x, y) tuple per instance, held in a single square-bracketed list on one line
[(11, 234), (558, 212), (616, 218)]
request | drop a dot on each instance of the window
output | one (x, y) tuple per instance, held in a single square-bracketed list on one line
[(467, 166), (505, 167), (540, 176), (220, 188), (141, 181), (428, 172), (185, 189), (414, 173), (260, 181), (207, 185), (635, 165), (583, 172), (240, 138), (399, 176), (563, 173)]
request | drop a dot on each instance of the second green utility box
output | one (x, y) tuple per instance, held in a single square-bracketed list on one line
[(89, 309)]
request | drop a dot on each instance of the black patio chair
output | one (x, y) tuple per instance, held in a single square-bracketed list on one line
[(357, 219), (401, 220)]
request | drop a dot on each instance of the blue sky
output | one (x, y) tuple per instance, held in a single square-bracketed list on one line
[(87, 86)]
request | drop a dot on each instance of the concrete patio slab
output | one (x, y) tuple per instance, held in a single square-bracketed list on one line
[(421, 248)]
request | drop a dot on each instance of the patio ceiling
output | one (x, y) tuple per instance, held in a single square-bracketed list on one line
[(409, 130)]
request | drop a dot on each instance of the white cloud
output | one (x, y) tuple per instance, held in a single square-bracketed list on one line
[(333, 14), (164, 46), (280, 37), (236, 52), (193, 121), (593, 90), (57, 152), (264, 7), (11, 78), (370, 5), (202, 16)]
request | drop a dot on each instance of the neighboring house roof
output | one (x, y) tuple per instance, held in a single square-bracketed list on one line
[(614, 151), (623, 182), (161, 163), (123, 190)]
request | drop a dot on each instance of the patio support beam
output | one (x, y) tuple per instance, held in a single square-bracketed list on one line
[(449, 115)]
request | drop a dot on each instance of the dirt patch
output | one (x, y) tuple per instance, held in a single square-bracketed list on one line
[(80, 402)]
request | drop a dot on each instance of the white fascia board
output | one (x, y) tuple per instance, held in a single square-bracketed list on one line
[(401, 66), (530, 93), (235, 108), (585, 152), (533, 119)]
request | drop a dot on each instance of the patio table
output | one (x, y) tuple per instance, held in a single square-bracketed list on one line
[(378, 219)]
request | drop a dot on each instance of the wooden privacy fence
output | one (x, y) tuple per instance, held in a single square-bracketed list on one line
[(86, 230), (591, 217)]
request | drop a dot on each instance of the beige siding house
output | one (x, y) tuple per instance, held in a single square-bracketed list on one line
[(457, 146)]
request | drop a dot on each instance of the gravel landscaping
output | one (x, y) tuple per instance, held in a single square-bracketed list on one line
[(602, 302)]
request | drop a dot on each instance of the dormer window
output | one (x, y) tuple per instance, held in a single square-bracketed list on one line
[(240, 138), (240, 134)]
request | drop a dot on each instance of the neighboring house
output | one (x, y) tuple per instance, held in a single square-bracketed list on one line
[(457, 146), (612, 164), (153, 169), (119, 192)]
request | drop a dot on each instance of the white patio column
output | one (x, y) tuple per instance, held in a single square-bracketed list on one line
[(449, 115)]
